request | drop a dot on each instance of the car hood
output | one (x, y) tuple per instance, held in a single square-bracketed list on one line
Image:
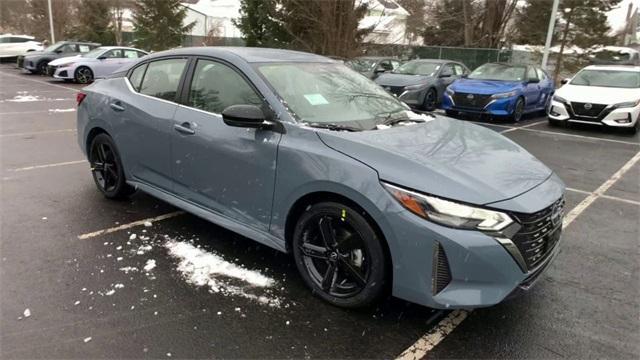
[(390, 79), (485, 87), (64, 60), (446, 158), (597, 94)]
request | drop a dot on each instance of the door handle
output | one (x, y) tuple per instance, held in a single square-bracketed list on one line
[(117, 106), (184, 128)]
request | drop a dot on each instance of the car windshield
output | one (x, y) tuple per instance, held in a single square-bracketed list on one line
[(607, 78), (361, 64), (500, 72), (94, 53), (332, 94), (54, 47), (417, 68)]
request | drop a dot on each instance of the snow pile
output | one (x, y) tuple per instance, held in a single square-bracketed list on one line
[(201, 268)]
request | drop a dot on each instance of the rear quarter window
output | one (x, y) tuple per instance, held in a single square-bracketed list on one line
[(162, 78), (136, 76)]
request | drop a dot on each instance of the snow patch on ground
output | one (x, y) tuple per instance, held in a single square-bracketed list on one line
[(150, 265), (202, 268), (62, 110), (25, 98)]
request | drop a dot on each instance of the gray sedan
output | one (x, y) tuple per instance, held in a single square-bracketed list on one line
[(421, 83), (302, 154), (36, 61)]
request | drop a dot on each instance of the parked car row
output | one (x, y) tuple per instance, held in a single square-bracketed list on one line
[(12, 46), (81, 62)]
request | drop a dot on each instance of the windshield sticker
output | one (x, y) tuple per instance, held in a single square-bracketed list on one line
[(316, 99)]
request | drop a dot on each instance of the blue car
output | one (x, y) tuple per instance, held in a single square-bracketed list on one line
[(500, 90), (303, 154)]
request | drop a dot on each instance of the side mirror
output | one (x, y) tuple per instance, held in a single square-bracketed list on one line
[(464, 76), (101, 57), (446, 75), (248, 116), (58, 51), (379, 70), (564, 81), (533, 81)]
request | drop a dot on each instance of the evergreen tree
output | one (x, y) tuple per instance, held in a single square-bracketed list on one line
[(94, 22), (532, 22), (158, 24), (258, 25)]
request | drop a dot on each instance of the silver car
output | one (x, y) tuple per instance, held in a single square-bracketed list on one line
[(300, 153)]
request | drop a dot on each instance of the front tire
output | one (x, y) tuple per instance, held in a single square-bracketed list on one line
[(451, 113), (83, 75), (42, 67), (430, 100), (107, 170), (339, 255), (518, 111)]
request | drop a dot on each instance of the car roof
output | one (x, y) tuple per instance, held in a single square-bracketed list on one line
[(20, 36), (376, 57), (436, 61), (120, 47), (77, 42), (248, 54), (631, 68)]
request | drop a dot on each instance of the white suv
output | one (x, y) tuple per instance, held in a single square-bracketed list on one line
[(14, 45), (599, 94)]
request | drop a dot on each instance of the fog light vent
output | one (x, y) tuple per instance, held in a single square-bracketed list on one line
[(441, 274)]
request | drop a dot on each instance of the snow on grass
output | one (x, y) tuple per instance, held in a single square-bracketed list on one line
[(202, 268)]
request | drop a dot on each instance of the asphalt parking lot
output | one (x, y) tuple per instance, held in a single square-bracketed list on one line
[(94, 290)]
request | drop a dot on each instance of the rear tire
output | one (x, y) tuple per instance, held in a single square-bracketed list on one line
[(107, 170), (339, 255)]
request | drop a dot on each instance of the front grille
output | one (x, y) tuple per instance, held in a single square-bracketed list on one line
[(51, 70), (20, 61), (539, 233), (441, 274), (395, 90), (471, 101), (591, 110)]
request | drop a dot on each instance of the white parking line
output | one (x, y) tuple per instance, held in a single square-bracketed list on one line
[(426, 343), (523, 126), (609, 197), (39, 81), (39, 132), (129, 225), (599, 192), (22, 112), (34, 167)]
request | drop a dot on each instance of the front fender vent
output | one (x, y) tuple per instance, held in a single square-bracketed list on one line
[(441, 273)]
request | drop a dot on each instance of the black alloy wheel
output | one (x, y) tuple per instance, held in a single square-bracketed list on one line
[(430, 100), (518, 110), (42, 67), (83, 75), (339, 255), (106, 168)]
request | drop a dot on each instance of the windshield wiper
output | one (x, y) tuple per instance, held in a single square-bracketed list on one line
[(333, 126), (353, 95)]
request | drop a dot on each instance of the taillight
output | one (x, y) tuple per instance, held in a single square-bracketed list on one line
[(79, 97)]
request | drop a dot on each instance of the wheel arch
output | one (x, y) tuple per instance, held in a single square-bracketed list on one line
[(311, 198), (95, 131)]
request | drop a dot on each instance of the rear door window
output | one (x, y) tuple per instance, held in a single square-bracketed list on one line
[(84, 48), (162, 78), (131, 54)]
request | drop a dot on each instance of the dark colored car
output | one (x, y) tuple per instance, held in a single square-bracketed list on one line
[(421, 83), (36, 61), (500, 90), (373, 66)]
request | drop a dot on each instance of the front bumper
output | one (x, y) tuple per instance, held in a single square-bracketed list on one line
[(442, 267), (608, 116), (478, 104), (413, 98), (29, 64), (61, 72)]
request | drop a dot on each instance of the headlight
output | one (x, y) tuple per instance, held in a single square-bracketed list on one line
[(449, 213), (559, 99), (415, 87), (627, 104), (449, 91), (504, 95)]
